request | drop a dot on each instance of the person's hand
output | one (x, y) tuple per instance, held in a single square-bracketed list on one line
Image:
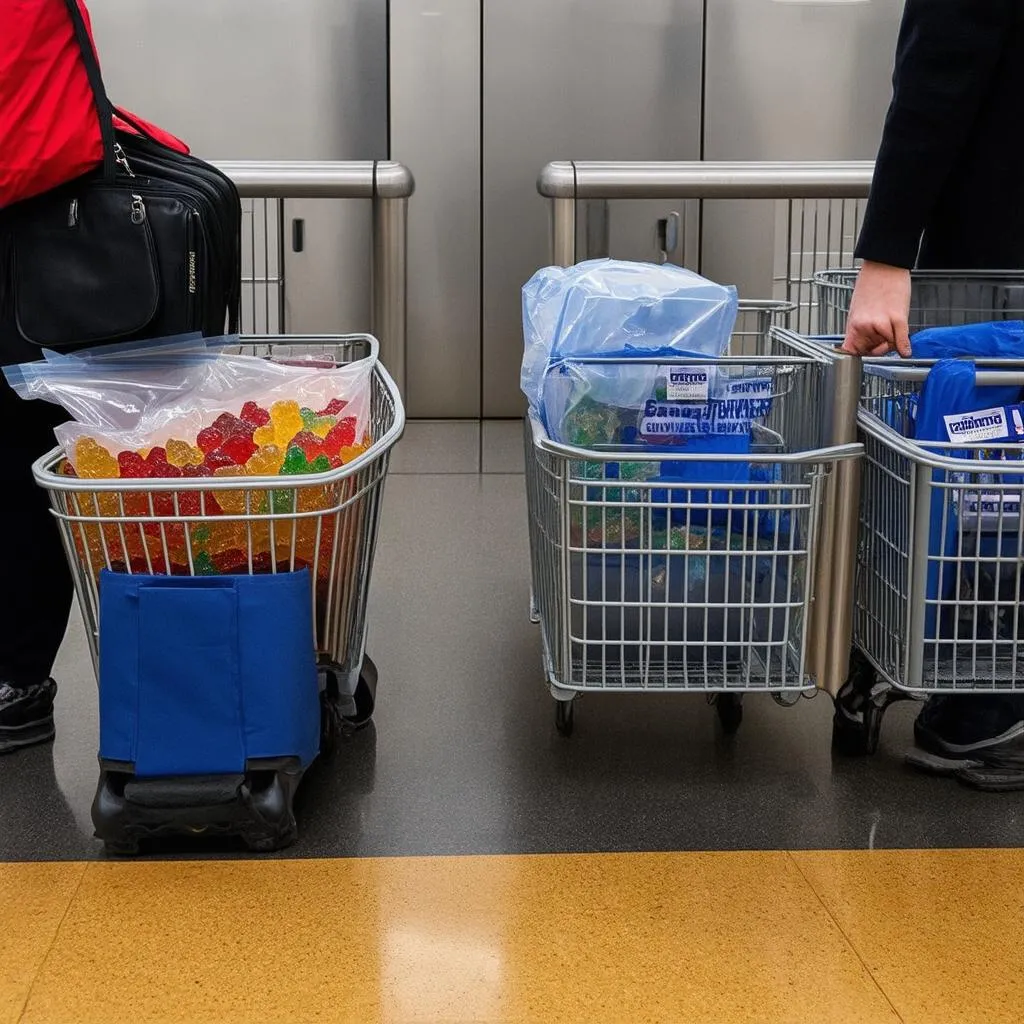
[(879, 311)]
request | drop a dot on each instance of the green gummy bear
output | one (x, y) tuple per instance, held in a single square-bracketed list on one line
[(308, 418), (295, 462), (321, 464), (283, 503), (203, 565)]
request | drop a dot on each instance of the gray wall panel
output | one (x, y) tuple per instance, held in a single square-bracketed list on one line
[(267, 79), (573, 80), (788, 80), (435, 129)]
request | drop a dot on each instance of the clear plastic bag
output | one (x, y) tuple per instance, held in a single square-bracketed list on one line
[(140, 397), (620, 310)]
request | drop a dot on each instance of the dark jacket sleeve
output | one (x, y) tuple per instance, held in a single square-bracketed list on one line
[(945, 58)]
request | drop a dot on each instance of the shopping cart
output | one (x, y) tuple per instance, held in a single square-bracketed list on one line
[(937, 299), (325, 523), (930, 616), (649, 577)]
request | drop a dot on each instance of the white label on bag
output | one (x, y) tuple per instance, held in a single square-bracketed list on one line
[(688, 384), (983, 425), (729, 417)]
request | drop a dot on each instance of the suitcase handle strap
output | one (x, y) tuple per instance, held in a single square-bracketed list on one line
[(104, 109)]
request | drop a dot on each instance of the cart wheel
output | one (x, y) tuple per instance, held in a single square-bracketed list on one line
[(565, 716), (272, 843), (857, 720), (330, 725), (365, 697), (730, 711)]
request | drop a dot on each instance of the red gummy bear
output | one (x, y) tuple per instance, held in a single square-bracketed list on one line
[(228, 425), (254, 415), (311, 445), (132, 465), (239, 448), (333, 407), (158, 466), (343, 435), (209, 439), (217, 460)]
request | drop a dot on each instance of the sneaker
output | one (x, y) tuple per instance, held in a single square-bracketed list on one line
[(26, 715), (976, 739)]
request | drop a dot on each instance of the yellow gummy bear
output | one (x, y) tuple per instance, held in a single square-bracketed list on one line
[(233, 502), (287, 422), (264, 436), (352, 452), (94, 462), (323, 425), (267, 461), (180, 453)]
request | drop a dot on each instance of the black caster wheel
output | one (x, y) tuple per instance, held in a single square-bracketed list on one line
[(272, 843), (730, 711), (859, 710), (331, 725), (121, 847), (365, 697), (565, 716)]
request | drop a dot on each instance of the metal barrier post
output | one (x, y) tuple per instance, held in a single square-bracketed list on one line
[(388, 185)]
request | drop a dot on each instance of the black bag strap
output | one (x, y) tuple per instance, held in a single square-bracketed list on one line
[(104, 110)]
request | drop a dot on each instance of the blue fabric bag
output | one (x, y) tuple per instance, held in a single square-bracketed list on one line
[(949, 389), (200, 674)]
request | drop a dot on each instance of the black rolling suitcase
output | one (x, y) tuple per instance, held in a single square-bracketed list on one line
[(147, 246)]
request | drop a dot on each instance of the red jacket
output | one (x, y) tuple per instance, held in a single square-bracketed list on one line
[(49, 128)]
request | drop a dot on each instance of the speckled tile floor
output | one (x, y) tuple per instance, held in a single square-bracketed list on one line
[(459, 861)]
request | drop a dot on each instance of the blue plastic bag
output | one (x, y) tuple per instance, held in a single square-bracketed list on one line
[(200, 674), (949, 391)]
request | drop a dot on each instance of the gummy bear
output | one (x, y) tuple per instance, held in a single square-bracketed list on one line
[(180, 453), (158, 466), (308, 416), (341, 436), (239, 448), (255, 415), (132, 465), (321, 464), (228, 425), (265, 462), (264, 436), (217, 460), (232, 502), (209, 439), (94, 462), (334, 407), (203, 565), (287, 421), (295, 462), (322, 425), (311, 445)]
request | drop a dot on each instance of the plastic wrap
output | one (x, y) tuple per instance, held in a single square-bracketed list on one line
[(619, 311), (140, 399)]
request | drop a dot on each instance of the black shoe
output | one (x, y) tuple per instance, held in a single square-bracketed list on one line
[(977, 739), (26, 715)]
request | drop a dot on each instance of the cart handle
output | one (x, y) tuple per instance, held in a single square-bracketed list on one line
[(833, 453), (920, 451)]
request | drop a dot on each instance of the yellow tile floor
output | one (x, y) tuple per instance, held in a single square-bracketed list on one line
[(932, 937)]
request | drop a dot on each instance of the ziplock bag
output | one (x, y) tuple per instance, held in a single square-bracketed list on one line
[(132, 401)]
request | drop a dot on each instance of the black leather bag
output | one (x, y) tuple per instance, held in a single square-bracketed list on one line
[(149, 246)]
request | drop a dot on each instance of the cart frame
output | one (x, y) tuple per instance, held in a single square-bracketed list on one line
[(332, 518)]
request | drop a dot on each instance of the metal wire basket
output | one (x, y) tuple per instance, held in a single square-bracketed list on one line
[(938, 299), (326, 523), (646, 580)]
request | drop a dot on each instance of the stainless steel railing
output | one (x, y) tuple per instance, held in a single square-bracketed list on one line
[(820, 206), (818, 238), (264, 186)]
